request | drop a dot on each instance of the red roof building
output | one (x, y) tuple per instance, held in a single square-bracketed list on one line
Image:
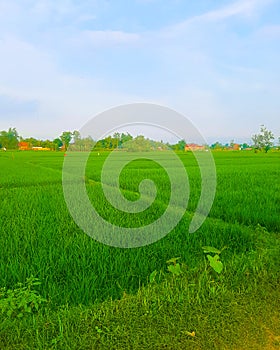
[(194, 147), (23, 146)]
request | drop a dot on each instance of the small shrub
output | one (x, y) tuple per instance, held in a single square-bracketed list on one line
[(174, 267), (214, 261), (22, 300)]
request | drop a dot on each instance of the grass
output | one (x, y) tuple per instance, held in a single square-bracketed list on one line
[(100, 296)]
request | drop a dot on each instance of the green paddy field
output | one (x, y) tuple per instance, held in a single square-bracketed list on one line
[(60, 289)]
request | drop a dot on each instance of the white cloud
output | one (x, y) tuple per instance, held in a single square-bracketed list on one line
[(108, 37), (63, 101), (54, 8), (244, 8), (22, 64), (241, 7)]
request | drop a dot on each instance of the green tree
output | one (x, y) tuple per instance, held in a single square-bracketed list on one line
[(76, 136), (9, 139), (66, 138), (245, 145), (57, 144), (124, 138), (47, 144), (116, 139), (217, 146), (181, 145), (77, 145), (263, 140), (138, 144), (88, 143), (32, 142)]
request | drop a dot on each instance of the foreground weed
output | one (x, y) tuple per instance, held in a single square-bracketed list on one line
[(174, 267), (152, 277), (214, 261), (22, 300), (261, 230)]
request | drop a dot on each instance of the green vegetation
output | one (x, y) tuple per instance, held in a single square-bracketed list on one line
[(68, 140), (178, 293), (263, 140), (9, 139), (23, 299)]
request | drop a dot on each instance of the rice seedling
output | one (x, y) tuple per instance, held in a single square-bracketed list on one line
[(39, 238)]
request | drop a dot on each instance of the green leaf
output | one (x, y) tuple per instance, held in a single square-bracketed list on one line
[(173, 260), (215, 263), (98, 330), (153, 276), (175, 269), (28, 309), (208, 249)]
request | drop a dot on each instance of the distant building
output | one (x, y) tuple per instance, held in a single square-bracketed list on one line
[(39, 148), (23, 146), (194, 147), (236, 147), (233, 147)]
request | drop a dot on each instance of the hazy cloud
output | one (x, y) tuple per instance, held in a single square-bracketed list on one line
[(12, 106), (109, 37)]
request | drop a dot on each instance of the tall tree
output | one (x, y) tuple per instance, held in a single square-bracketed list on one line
[(181, 145), (66, 138), (57, 143), (124, 138), (263, 140), (76, 136), (138, 144), (9, 139)]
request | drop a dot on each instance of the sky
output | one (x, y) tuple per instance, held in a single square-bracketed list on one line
[(215, 62)]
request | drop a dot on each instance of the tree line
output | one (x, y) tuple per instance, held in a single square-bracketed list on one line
[(72, 140)]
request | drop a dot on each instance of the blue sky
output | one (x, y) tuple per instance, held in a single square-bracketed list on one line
[(216, 62)]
